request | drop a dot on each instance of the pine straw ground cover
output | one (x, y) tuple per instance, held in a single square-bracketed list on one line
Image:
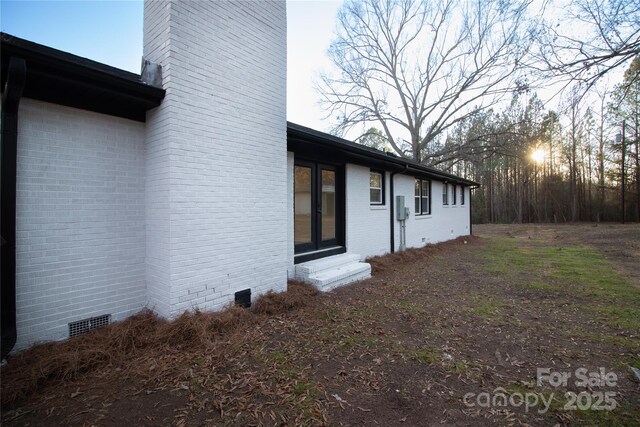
[(402, 348)]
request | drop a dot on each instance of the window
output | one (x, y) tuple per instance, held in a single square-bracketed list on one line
[(422, 199), (462, 195), (445, 194), (376, 188), (455, 193)]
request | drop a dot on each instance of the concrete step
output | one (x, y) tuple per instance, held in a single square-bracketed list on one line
[(327, 273), (308, 268)]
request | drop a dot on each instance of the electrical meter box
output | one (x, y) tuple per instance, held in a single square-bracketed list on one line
[(401, 211)]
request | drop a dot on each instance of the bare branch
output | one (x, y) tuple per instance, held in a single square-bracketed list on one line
[(417, 68), (609, 38)]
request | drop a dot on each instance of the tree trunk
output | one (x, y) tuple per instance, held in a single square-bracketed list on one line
[(637, 128), (520, 189)]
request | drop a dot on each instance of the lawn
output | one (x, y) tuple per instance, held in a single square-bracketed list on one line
[(423, 342)]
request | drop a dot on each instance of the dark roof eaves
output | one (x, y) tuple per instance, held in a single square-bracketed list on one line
[(95, 71), (376, 154)]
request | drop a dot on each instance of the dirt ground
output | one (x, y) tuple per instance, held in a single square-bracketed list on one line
[(423, 342)]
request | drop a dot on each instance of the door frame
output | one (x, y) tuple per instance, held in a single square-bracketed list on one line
[(318, 248)]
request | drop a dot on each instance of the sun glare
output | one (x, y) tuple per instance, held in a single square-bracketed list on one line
[(537, 156)]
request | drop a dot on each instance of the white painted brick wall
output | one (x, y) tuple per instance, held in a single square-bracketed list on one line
[(290, 216), (444, 223), (157, 164), (368, 226), (80, 249), (217, 183)]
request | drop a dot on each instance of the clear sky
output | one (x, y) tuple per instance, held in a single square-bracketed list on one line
[(111, 32), (310, 28)]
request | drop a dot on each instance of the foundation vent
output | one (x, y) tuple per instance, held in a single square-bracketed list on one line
[(82, 326), (243, 298)]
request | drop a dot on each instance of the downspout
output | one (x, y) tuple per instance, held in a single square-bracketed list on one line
[(471, 209), (470, 213), (16, 77), (391, 204)]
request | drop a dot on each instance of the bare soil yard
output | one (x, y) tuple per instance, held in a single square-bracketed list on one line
[(434, 328)]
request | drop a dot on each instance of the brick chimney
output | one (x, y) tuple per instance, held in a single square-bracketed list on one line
[(216, 153)]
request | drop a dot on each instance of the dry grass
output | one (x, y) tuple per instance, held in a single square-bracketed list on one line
[(401, 348), (298, 295), (146, 340), (143, 336), (54, 362), (380, 264)]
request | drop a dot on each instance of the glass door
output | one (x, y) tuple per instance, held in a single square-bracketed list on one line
[(304, 228), (327, 207), (318, 206)]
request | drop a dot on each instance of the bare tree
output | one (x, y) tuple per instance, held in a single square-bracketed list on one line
[(601, 118), (626, 106), (592, 38), (417, 68), (575, 136)]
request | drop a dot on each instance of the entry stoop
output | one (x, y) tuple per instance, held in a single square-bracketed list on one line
[(334, 271)]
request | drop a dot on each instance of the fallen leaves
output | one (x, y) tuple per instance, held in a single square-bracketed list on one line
[(399, 348)]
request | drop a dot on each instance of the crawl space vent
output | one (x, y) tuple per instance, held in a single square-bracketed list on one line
[(82, 326), (243, 298)]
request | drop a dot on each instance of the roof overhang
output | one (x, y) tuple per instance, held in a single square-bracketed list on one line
[(62, 78), (311, 143)]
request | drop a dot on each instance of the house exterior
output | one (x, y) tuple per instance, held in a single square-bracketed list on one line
[(186, 188), (363, 186)]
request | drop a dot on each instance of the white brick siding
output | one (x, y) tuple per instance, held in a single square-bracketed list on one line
[(367, 226), (216, 153), (290, 216), (444, 223), (80, 245), (157, 164)]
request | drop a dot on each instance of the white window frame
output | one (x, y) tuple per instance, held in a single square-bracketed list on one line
[(445, 194), (422, 196), (381, 188)]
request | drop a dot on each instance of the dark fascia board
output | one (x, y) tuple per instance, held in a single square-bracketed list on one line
[(301, 138), (66, 79)]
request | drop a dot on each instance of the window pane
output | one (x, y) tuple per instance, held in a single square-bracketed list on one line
[(329, 179), (375, 195), (302, 203), (417, 207), (328, 204), (425, 188), (375, 180), (417, 192), (425, 205)]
